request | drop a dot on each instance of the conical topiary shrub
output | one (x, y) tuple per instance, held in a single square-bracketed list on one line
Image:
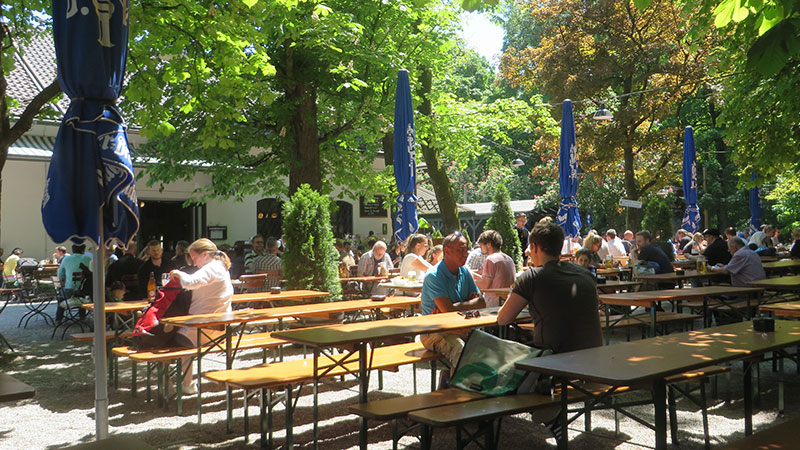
[(502, 221), (310, 260)]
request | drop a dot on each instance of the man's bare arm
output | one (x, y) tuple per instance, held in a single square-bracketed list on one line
[(510, 309), (444, 304)]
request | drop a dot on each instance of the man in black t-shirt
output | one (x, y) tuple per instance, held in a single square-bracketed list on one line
[(561, 296), (651, 253), (716, 252), (522, 232)]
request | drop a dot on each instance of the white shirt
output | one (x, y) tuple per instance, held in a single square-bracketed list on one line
[(567, 249), (211, 293), (603, 252), (408, 264), (615, 247)]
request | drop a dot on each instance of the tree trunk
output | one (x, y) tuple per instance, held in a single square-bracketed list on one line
[(387, 142), (632, 215), (304, 151), (438, 175)]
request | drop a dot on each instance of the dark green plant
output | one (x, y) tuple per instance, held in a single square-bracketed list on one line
[(502, 221), (658, 219), (310, 260)]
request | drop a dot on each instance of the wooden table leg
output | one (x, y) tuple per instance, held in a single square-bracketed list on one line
[(660, 407)]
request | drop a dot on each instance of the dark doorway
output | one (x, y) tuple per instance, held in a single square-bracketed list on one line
[(169, 222), (342, 220), (269, 217)]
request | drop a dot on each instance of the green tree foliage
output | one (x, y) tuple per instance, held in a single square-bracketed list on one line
[(586, 52), (259, 90), (658, 218), (502, 221), (21, 22), (310, 260)]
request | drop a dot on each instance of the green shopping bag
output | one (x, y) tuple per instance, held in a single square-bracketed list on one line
[(487, 362)]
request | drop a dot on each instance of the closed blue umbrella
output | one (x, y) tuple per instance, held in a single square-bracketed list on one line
[(756, 212), (405, 160), (90, 192), (691, 217), (568, 216)]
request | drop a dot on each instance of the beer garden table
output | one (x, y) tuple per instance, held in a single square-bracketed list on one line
[(647, 299), (360, 334), (648, 362), (784, 265)]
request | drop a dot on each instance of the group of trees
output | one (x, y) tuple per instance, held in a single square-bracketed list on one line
[(253, 91)]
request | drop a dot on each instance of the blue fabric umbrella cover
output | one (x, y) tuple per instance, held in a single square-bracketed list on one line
[(691, 216), (405, 160), (91, 164), (568, 216)]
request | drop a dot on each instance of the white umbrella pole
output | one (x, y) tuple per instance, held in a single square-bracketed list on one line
[(100, 378)]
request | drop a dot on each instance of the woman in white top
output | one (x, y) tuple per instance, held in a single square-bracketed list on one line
[(416, 247), (211, 293)]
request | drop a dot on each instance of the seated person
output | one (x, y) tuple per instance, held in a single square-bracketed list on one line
[(716, 252), (369, 266), (71, 265), (594, 244), (154, 264), (269, 262), (127, 266), (745, 265), (416, 247), (10, 267), (695, 246), (794, 252), (583, 257), (561, 297), (212, 292), (59, 255), (499, 269), (435, 255), (650, 253), (448, 286)]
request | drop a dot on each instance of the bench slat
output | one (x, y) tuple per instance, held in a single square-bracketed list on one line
[(392, 408), (81, 337), (249, 341)]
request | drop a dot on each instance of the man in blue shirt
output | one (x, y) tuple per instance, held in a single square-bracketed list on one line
[(70, 265), (449, 286)]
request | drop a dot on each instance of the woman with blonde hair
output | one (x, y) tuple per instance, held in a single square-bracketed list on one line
[(211, 293), (416, 247)]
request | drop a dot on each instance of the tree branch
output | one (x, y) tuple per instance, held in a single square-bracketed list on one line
[(25, 121)]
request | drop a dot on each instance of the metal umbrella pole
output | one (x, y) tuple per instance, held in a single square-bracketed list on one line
[(100, 360)]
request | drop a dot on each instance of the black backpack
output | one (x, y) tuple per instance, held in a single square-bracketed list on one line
[(27, 266)]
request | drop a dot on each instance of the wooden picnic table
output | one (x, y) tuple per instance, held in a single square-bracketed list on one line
[(123, 308), (647, 299), (648, 362), (614, 271), (367, 279), (408, 287), (11, 389), (787, 309), (674, 277), (615, 285), (782, 265), (360, 334), (787, 283), (294, 294)]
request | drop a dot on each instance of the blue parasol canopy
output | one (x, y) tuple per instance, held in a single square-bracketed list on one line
[(405, 160), (568, 216), (691, 217), (91, 164), (756, 213)]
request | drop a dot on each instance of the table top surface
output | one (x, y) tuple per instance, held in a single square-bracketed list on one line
[(790, 283), (645, 360), (647, 297), (617, 284), (613, 270), (673, 276), (410, 286), (120, 307), (331, 335), (341, 306), (786, 309), (294, 294), (11, 389), (783, 264), (250, 315), (366, 279)]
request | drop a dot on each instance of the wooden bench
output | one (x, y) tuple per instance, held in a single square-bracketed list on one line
[(162, 358), (783, 436), (456, 407), (286, 374), (87, 337)]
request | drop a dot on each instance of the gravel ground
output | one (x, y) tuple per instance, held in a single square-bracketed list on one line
[(62, 413)]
